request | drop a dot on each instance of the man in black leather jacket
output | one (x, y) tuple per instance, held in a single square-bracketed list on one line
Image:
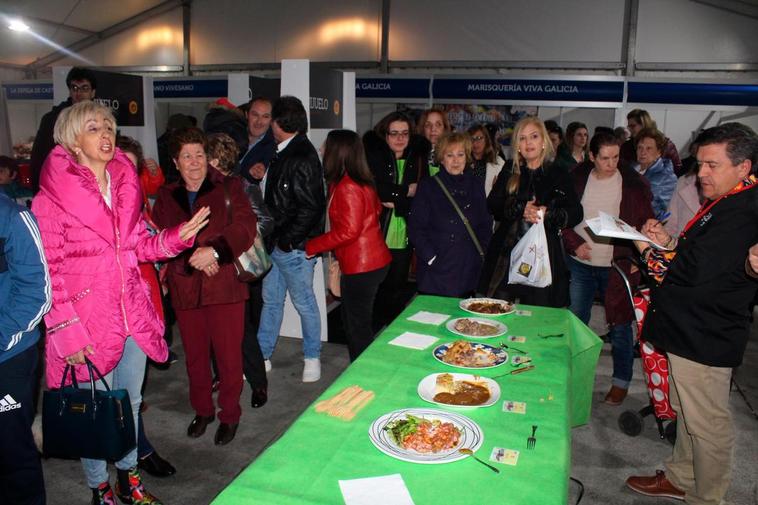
[(294, 193)]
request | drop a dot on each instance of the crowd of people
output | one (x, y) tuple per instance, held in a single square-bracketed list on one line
[(116, 246)]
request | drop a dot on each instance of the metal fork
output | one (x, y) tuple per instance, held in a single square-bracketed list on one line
[(532, 441), (506, 346)]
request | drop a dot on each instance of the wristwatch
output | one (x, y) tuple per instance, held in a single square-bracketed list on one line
[(215, 254)]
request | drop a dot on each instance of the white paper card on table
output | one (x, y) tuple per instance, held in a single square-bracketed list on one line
[(385, 490), (606, 225), (429, 317), (413, 340)]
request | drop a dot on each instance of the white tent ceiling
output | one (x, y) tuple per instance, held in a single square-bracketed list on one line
[(59, 22), (711, 38)]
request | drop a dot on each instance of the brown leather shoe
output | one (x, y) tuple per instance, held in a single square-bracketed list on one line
[(657, 485), (198, 425), (225, 433), (615, 396)]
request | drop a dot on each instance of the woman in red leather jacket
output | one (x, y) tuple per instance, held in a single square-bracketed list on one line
[(355, 235)]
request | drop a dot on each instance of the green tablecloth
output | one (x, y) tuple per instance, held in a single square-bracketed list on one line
[(305, 465)]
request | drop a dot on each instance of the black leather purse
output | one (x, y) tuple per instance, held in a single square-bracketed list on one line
[(87, 423)]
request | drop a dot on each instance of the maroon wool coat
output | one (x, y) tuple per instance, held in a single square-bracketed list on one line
[(191, 288), (635, 209)]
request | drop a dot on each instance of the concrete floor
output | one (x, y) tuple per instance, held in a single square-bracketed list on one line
[(603, 457)]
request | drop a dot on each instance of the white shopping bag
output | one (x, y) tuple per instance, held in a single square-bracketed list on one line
[(530, 261)]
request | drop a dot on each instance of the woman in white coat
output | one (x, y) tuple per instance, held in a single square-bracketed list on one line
[(485, 162)]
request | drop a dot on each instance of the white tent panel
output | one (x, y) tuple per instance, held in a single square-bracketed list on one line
[(229, 31), (481, 30), (157, 41), (689, 32)]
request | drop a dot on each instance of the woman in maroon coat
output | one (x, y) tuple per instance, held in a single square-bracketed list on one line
[(603, 186), (208, 299), (355, 235)]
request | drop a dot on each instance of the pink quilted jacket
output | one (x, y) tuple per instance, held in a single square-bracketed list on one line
[(99, 297)]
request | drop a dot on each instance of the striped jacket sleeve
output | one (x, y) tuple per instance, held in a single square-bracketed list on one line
[(30, 288)]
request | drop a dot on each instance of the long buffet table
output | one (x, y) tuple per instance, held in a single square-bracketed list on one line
[(305, 465)]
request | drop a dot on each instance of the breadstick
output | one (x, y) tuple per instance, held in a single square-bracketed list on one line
[(344, 406), (324, 405), (338, 407), (359, 405)]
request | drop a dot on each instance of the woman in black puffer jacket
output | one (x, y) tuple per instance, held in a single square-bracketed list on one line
[(398, 160)]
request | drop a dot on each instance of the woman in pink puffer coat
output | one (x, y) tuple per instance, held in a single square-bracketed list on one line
[(89, 214)]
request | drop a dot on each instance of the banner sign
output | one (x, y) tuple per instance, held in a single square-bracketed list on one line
[(692, 93), (502, 117), (542, 90), (378, 87), (265, 87), (325, 98), (191, 88), (33, 91), (123, 94)]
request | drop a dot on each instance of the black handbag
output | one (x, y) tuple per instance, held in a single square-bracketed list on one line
[(254, 263), (82, 423)]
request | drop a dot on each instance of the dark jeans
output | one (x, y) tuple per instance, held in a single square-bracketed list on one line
[(21, 479), (358, 294), (585, 281), (393, 293), (252, 358)]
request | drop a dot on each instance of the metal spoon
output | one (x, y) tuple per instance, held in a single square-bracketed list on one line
[(469, 452)]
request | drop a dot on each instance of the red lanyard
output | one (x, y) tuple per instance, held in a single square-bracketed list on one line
[(705, 208)]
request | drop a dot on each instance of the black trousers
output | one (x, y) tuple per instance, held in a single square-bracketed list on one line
[(252, 358), (21, 481), (394, 292), (358, 295)]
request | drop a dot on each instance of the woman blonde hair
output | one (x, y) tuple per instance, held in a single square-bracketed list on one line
[(641, 117), (518, 159), (71, 121), (450, 139)]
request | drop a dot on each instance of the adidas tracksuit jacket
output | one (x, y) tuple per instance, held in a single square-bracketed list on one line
[(25, 296)]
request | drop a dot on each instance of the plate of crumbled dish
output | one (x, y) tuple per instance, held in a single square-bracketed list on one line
[(476, 327), (487, 306), (463, 354)]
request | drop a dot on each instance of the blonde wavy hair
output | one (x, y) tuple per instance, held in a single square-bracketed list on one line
[(71, 122), (518, 159)]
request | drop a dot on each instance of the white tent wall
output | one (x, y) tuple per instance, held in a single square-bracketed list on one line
[(482, 30), (25, 117), (260, 31), (679, 39), (683, 31), (156, 41)]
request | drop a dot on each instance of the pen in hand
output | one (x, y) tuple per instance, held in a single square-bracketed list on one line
[(663, 217)]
